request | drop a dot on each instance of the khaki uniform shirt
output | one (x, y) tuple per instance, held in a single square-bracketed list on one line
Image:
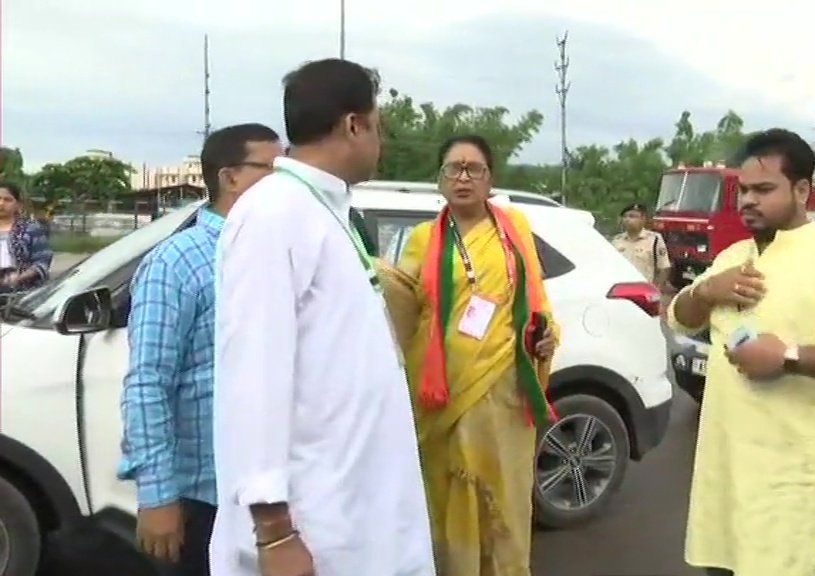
[(647, 252)]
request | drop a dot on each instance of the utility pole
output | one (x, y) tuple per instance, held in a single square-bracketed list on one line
[(207, 125), (562, 90), (342, 29)]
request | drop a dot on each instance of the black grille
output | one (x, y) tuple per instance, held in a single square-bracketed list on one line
[(675, 238)]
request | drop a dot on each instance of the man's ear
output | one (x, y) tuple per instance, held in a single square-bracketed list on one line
[(803, 188), (349, 124), (226, 180)]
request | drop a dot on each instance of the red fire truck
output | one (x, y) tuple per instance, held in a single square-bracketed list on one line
[(697, 215)]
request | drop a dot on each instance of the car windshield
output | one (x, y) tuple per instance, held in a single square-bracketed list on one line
[(690, 192), (87, 274)]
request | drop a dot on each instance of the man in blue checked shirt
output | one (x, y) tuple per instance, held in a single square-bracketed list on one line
[(167, 398)]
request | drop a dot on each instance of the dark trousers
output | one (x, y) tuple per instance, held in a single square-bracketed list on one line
[(198, 520), (718, 572)]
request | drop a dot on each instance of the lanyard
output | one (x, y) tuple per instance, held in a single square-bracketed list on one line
[(509, 253), (359, 245), (350, 231)]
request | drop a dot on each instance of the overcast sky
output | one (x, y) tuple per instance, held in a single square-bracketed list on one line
[(126, 76)]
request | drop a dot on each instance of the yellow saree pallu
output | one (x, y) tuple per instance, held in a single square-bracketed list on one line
[(477, 447)]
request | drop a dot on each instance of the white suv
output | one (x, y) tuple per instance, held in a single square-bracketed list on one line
[(65, 352)]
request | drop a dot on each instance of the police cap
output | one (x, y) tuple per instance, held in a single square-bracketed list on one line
[(636, 206)]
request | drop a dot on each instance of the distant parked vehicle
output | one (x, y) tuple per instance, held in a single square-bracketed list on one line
[(690, 363)]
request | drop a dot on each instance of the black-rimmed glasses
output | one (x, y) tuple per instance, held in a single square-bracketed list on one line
[(454, 170)]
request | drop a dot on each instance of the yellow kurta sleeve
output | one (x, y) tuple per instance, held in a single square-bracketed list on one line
[(732, 256), (400, 286), (415, 251)]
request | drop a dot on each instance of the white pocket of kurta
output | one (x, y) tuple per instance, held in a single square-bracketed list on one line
[(477, 317)]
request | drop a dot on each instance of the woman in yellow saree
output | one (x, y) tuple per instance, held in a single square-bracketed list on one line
[(466, 300)]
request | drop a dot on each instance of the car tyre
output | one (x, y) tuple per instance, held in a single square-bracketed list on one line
[(20, 541), (587, 447)]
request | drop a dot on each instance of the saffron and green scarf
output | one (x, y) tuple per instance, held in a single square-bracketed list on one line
[(434, 391)]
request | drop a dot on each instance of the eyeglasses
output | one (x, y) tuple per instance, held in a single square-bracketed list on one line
[(454, 170)]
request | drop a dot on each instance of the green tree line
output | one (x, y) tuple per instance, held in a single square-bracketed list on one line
[(80, 179), (599, 178)]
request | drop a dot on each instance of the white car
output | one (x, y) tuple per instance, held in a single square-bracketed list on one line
[(65, 351)]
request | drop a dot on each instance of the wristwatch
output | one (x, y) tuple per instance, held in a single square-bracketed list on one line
[(791, 359)]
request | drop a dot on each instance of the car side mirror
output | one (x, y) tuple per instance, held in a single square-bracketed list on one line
[(85, 312), (121, 313)]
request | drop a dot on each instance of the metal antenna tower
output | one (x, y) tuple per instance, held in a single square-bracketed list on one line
[(207, 125), (562, 91)]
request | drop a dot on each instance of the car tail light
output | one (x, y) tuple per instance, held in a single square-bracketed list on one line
[(643, 294)]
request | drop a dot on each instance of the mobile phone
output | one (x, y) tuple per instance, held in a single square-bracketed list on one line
[(741, 336), (541, 324)]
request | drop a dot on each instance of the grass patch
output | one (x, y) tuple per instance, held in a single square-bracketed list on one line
[(79, 243)]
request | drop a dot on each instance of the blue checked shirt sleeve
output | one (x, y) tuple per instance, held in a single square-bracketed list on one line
[(161, 317)]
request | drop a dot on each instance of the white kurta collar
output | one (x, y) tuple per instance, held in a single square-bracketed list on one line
[(335, 190)]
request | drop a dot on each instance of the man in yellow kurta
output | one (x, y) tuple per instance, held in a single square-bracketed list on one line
[(752, 508)]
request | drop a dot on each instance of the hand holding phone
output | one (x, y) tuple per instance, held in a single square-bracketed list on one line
[(740, 336), (541, 324)]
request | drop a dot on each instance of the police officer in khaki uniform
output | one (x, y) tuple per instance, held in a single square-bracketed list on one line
[(645, 249)]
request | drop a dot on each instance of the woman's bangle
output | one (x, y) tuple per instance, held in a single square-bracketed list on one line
[(279, 542)]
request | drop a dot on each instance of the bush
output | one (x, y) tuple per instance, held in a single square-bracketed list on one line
[(79, 243)]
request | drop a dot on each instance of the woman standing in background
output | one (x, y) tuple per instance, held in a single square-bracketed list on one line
[(25, 256)]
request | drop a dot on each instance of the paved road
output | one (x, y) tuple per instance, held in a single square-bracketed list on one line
[(642, 532)]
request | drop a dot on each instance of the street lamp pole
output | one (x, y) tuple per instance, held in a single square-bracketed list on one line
[(342, 29)]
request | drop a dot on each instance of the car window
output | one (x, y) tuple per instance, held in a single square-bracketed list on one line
[(393, 231), (554, 263), (92, 271)]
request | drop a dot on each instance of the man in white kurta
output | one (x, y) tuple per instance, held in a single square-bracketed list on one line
[(311, 406)]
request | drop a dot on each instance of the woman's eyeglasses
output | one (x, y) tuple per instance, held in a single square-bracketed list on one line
[(474, 170)]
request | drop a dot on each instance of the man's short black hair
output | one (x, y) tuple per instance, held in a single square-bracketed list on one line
[(318, 94), (227, 147), (797, 157)]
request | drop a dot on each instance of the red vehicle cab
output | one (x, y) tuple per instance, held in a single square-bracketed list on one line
[(697, 215)]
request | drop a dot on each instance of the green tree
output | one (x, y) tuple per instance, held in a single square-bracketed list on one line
[(730, 137), (638, 169), (719, 145), (101, 179), (529, 177), (412, 136), (52, 185), (688, 146), (11, 165), (81, 179), (603, 181)]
